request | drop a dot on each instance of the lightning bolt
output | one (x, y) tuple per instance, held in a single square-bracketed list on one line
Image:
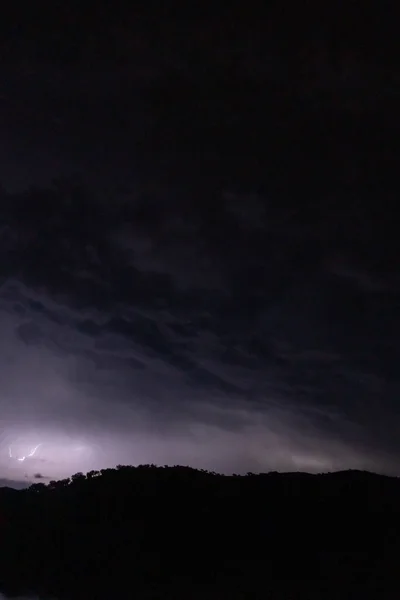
[(34, 450), (22, 458)]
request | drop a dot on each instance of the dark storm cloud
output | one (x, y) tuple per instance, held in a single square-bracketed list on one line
[(232, 302), (19, 485), (195, 337)]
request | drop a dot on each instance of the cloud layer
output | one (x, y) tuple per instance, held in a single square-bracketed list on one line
[(220, 287), (234, 339)]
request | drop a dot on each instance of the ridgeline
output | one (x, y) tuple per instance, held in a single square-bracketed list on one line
[(175, 532)]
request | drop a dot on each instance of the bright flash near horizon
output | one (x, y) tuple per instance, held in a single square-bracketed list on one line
[(22, 458)]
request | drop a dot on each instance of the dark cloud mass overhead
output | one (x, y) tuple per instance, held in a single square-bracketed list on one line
[(198, 272)]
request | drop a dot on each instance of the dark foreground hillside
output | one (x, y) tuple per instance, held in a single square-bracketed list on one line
[(150, 532)]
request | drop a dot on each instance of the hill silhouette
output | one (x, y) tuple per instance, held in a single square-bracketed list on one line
[(176, 532)]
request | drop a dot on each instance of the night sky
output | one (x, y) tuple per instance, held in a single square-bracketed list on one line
[(199, 242)]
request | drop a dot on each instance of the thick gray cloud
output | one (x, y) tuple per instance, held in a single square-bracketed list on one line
[(141, 332), (221, 289)]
